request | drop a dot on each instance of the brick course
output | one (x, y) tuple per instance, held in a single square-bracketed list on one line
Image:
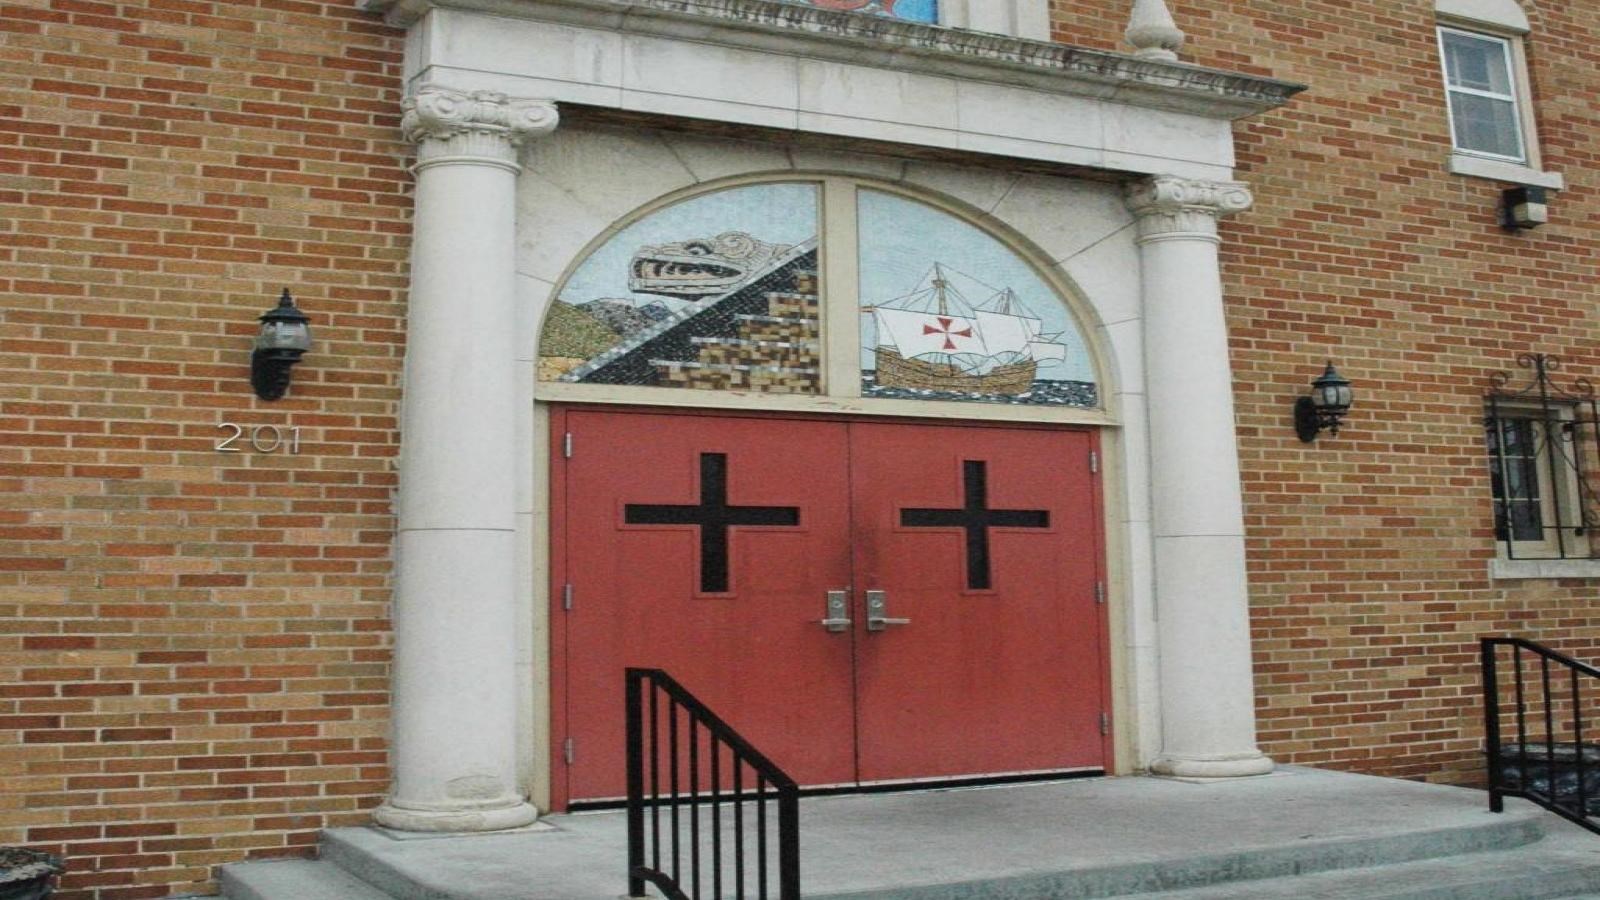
[(1369, 551), (193, 644)]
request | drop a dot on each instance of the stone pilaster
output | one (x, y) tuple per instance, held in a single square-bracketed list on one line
[(1202, 600), (454, 738)]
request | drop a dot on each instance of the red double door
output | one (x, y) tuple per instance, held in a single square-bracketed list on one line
[(965, 559)]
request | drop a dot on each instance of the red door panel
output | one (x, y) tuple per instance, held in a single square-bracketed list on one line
[(706, 545), (722, 585), (987, 541)]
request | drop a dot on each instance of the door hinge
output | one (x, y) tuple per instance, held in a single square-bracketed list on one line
[(1105, 728), (569, 752), (566, 445), (566, 597), (1099, 592), (1094, 462)]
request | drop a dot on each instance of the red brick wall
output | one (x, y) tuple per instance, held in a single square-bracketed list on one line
[(1368, 551), (193, 644)]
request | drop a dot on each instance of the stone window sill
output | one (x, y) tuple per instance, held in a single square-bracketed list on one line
[(1515, 173), (1508, 569)]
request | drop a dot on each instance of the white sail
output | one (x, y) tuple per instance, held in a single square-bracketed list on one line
[(916, 333), (1004, 333), (1047, 353)]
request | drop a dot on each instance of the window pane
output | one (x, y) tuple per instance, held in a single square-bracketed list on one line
[(1477, 63), (1525, 522), (1514, 478), (1486, 125)]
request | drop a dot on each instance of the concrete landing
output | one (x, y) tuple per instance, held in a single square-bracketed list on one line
[(1297, 833)]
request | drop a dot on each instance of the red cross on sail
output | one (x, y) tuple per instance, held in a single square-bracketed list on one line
[(946, 330)]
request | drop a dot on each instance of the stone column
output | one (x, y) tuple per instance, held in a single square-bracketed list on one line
[(1202, 600), (454, 689)]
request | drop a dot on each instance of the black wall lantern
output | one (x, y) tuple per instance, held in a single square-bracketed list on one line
[(1328, 402), (285, 335)]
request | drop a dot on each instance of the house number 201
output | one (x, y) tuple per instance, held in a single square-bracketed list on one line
[(264, 438)]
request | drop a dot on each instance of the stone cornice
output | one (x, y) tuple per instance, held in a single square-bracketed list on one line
[(1167, 206), (485, 127), (816, 33)]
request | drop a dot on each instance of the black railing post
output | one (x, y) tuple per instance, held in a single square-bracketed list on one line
[(635, 684), (1544, 789), (789, 842), (646, 867), (1549, 727), (1491, 724), (1577, 745)]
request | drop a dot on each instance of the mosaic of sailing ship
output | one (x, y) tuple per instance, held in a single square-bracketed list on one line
[(934, 343)]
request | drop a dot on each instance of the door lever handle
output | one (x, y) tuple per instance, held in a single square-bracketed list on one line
[(838, 607), (877, 606)]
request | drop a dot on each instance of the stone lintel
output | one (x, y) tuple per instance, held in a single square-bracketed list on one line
[(814, 33)]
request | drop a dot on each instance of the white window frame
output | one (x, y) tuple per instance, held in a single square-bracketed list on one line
[(1503, 22), (1514, 76)]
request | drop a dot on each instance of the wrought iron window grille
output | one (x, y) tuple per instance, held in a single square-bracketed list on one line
[(1544, 456)]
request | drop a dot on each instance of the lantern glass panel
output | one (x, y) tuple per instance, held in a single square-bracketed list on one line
[(280, 335)]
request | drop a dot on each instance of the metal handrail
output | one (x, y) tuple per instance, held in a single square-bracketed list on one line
[(1542, 775), (695, 783)]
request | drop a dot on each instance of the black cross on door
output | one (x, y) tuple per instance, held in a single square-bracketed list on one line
[(976, 518), (713, 515)]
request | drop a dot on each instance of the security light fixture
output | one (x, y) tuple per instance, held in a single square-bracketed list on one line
[(1327, 403), (1524, 207), (285, 336)]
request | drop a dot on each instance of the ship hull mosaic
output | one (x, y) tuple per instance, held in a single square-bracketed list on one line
[(734, 310)]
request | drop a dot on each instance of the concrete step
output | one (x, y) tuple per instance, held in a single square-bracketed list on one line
[(1560, 866), (1455, 864), (294, 879), (590, 851), (1300, 834)]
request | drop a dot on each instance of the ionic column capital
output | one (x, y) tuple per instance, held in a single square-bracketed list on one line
[(482, 127), (1171, 207)]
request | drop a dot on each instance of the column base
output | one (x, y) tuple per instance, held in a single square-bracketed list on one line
[(1225, 765), (464, 818)]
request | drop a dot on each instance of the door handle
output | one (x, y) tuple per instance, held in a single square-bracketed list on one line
[(838, 608), (877, 607)]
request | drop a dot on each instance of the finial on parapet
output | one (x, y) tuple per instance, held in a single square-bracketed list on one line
[(1152, 31)]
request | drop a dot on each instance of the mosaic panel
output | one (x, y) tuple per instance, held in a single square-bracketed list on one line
[(950, 313), (718, 292), (909, 10)]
